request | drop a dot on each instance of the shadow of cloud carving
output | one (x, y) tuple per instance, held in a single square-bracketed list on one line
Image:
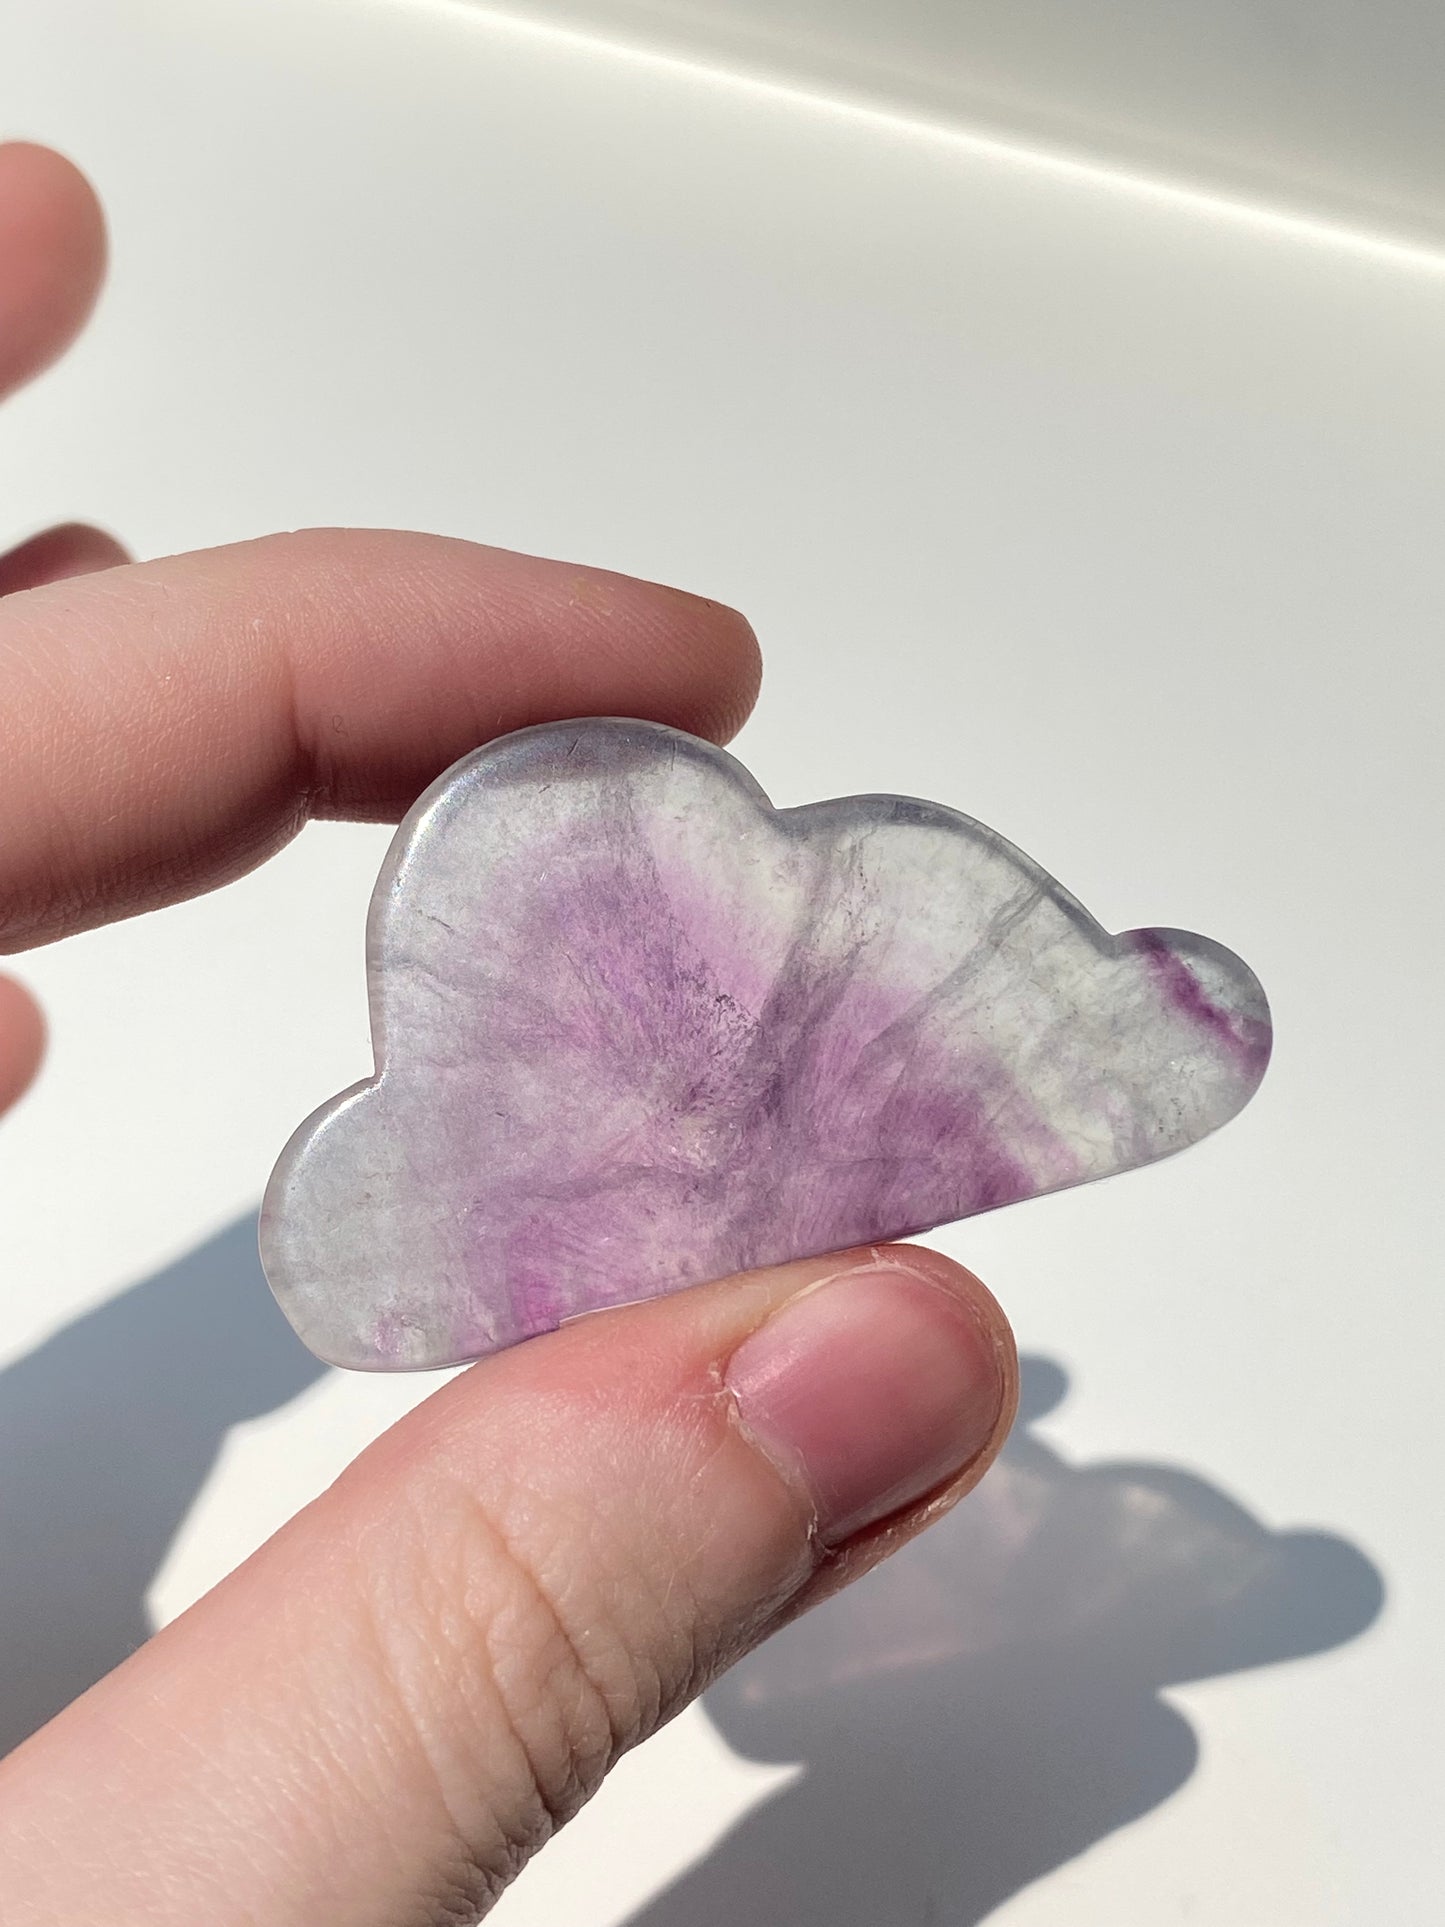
[(991, 1702)]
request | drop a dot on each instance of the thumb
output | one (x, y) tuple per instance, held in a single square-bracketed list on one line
[(380, 1716)]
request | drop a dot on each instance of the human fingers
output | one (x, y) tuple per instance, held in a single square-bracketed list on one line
[(22, 1041), (377, 1719), (52, 261), (52, 258), (56, 554), (168, 724)]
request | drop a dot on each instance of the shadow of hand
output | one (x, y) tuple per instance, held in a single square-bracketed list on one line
[(107, 1432)]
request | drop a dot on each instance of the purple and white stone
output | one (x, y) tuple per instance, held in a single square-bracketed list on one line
[(634, 1028)]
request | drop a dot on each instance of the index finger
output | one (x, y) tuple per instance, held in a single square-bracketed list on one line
[(168, 725)]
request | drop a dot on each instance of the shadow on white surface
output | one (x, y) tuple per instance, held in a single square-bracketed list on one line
[(989, 1703), (107, 1433)]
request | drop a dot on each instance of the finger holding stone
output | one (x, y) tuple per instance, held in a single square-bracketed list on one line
[(168, 725), (383, 1713)]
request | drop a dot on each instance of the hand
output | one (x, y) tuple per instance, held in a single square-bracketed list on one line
[(380, 1716)]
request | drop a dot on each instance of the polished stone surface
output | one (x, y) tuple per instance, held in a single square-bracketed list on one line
[(635, 1029)]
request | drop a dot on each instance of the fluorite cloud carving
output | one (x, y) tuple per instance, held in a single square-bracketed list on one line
[(634, 1028)]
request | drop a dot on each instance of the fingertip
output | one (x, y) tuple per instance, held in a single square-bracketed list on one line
[(663, 653), (22, 1041), (879, 1386), (516, 639), (994, 1323), (56, 555), (720, 664), (967, 1285), (52, 257), (974, 1408)]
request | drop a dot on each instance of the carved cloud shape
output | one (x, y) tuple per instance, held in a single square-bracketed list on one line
[(634, 1028)]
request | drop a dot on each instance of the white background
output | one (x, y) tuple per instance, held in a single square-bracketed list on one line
[(1109, 519), (1326, 106)]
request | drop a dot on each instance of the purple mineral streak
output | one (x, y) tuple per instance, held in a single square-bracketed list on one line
[(635, 1029)]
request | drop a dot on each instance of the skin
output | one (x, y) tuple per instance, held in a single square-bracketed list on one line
[(390, 1707)]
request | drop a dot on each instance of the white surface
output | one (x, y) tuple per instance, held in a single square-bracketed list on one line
[(1112, 523), (1330, 107)]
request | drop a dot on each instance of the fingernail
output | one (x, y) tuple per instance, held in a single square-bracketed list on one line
[(868, 1391)]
